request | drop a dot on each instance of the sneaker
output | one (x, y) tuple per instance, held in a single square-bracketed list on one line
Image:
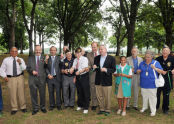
[(142, 110), (119, 112), (79, 108), (85, 111), (123, 113), (152, 114)]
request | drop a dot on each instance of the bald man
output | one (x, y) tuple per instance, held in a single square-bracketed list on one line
[(104, 65), (13, 67), (167, 63)]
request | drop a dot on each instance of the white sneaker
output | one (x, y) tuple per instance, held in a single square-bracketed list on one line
[(152, 114), (142, 110), (123, 113), (79, 108), (119, 112), (85, 111)]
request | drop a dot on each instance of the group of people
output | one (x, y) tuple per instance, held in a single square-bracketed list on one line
[(92, 76)]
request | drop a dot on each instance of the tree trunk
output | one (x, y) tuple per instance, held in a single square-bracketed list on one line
[(35, 34), (42, 44), (40, 39), (118, 49), (21, 44), (169, 38), (30, 43)]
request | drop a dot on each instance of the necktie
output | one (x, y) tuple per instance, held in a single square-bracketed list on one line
[(52, 66), (77, 66), (95, 54), (14, 67), (37, 64)]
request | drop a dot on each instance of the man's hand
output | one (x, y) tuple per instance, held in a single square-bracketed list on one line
[(164, 72), (66, 71), (46, 59), (74, 80), (94, 66), (77, 73), (173, 71), (152, 66), (138, 71), (6, 79), (19, 61), (87, 69), (61, 56), (35, 73), (103, 69), (71, 70), (50, 77)]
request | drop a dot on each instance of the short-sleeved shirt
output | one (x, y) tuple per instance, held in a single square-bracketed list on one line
[(167, 65), (148, 81), (83, 63), (67, 65), (122, 68)]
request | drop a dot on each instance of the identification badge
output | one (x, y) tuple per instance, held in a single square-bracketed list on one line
[(146, 73)]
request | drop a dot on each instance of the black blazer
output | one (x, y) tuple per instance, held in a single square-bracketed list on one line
[(104, 78), (57, 66)]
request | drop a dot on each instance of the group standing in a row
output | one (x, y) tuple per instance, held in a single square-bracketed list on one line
[(92, 76)]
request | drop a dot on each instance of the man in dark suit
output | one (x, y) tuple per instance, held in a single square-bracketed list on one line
[(37, 76), (54, 78), (104, 65)]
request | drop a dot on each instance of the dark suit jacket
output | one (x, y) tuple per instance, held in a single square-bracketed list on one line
[(57, 65), (31, 66), (104, 78)]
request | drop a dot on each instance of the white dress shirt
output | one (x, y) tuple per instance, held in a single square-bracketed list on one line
[(102, 60), (2, 73), (7, 66), (83, 63)]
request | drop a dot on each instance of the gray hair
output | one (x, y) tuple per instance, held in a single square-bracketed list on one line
[(150, 53)]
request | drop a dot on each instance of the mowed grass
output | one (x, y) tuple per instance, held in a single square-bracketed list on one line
[(70, 116)]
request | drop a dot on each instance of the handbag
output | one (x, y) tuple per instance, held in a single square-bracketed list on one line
[(159, 82)]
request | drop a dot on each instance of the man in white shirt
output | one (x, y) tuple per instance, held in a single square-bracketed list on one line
[(13, 67), (80, 64)]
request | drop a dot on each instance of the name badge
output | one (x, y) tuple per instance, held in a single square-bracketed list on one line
[(146, 73)]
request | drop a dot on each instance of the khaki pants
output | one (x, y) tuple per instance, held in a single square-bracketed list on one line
[(16, 91), (104, 97)]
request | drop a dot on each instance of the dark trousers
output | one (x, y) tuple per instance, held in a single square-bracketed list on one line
[(54, 86), (1, 103), (83, 91), (166, 92), (36, 86)]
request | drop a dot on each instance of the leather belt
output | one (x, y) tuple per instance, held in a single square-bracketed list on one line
[(15, 76)]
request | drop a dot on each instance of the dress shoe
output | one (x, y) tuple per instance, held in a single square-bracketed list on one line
[(135, 108), (59, 108), (71, 107), (24, 110), (13, 112), (44, 110), (35, 112), (51, 108), (93, 107), (165, 112), (107, 113), (101, 112)]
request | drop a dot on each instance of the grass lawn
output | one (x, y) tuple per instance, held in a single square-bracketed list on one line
[(70, 116)]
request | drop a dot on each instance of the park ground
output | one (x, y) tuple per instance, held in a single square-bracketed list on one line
[(70, 116)]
